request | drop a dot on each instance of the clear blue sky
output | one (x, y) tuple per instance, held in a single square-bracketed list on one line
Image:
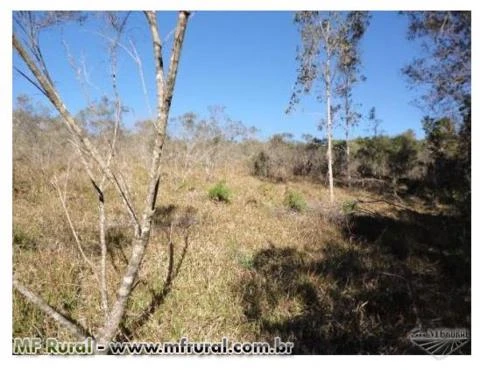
[(244, 61)]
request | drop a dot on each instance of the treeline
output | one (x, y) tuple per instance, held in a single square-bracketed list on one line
[(436, 167), (374, 160)]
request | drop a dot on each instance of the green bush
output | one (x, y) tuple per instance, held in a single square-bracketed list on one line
[(349, 207), (295, 201), (220, 192)]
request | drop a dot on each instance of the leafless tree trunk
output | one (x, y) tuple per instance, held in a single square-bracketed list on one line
[(142, 225), (329, 134), (347, 153), (347, 134), (328, 93)]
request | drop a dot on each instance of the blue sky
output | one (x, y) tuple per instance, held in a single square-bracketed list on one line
[(244, 61)]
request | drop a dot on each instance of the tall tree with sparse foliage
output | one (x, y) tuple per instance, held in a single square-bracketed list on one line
[(445, 68), (324, 39), (349, 63), (374, 121)]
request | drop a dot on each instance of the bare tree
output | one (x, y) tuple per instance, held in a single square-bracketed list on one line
[(28, 48)]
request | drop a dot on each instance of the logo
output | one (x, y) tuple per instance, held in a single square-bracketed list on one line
[(439, 342)]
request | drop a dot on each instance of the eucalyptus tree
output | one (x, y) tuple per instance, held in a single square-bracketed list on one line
[(374, 121), (349, 63), (324, 36), (444, 66)]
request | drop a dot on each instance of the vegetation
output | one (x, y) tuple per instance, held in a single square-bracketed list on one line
[(26, 42), (220, 192), (353, 274), (343, 276), (329, 41), (295, 201)]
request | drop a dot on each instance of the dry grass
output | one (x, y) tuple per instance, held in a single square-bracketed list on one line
[(250, 269)]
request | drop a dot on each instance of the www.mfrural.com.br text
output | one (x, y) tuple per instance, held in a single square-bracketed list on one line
[(35, 346)]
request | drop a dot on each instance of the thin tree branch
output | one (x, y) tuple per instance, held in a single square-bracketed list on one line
[(139, 63), (72, 228), (108, 331), (73, 327), (103, 246), (103, 263), (73, 127), (157, 47), (31, 81)]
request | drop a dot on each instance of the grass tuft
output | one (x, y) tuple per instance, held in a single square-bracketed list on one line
[(295, 201), (220, 192)]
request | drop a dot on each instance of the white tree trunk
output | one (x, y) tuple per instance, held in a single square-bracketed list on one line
[(347, 152), (329, 130), (347, 134)]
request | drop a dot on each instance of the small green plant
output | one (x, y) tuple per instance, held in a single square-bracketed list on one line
[(349, 207), (246, 261), (220, 192), (243, 259), (22, 239), (295, 201)]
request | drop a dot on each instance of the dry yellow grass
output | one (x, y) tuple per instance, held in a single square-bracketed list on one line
[(250, 269)]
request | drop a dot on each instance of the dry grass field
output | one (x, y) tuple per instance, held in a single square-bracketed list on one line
[(350, 278)]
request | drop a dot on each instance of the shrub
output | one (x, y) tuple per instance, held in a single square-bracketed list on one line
[(261, 165), (246, 261), (295, 201), (220, 192), (349, 207)]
